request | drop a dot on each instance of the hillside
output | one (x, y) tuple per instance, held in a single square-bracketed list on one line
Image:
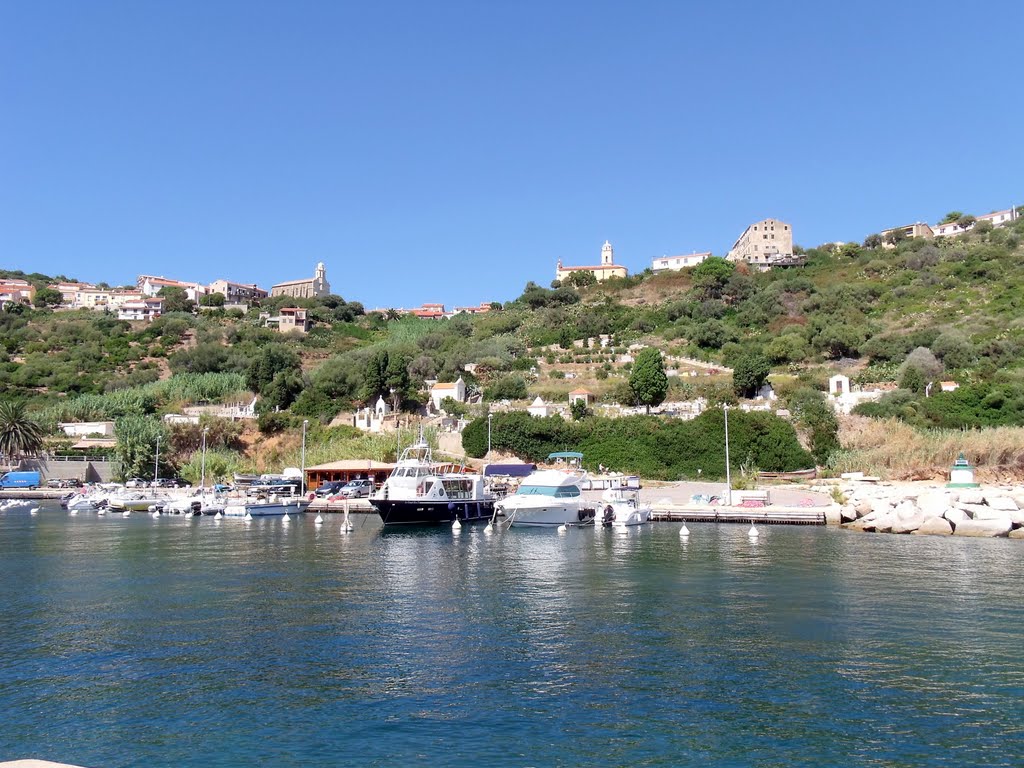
[(948, 308)]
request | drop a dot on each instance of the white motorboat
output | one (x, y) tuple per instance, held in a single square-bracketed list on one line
[(136, 502), (622, 507), (85, 502), (548, 497), (269, 506), (200, 504)]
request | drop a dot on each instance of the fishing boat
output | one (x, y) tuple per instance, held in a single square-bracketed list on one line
[(551, 497), (418, 492)]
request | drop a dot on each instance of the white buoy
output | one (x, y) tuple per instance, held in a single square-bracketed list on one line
[(247, 516), (562, 528), (456, 526), (319, 520), (34, 511), (286, 519), (99, 512), (155, 513), (75, 512), (489, 528), (126, 513), (684, 532), (753, 532), (218, 516)]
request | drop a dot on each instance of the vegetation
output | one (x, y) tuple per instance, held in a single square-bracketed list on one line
[(19, 434)]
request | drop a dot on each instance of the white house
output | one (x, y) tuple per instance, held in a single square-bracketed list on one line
[(539, 408), (87, 428), (675, 263), (146, 309), (455, 390)]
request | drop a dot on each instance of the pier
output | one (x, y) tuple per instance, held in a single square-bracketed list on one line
[(762, 515)]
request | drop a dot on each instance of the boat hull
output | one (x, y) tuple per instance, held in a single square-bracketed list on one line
[(421, 512), (548, 517), (269, 509)]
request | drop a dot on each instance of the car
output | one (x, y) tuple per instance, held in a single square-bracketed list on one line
[(329, 488), (170, 482), (356, 489)]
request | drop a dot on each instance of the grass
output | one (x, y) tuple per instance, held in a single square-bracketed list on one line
[(893, 450)]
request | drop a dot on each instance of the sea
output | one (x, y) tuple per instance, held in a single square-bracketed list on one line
[(179, 641)]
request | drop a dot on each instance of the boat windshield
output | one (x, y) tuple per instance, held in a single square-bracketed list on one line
[(559, 492)]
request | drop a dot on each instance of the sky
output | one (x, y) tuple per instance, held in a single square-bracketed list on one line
[(452, 151)]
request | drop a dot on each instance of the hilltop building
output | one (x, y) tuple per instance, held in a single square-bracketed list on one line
[(675, 263), (917, 229), (455, 390), (764, 244), (151, 286), (17, 291), (606, 269), (996, 218), (311, 288), (237, 293)]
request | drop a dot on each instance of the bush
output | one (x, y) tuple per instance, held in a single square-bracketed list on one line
[(271, 422)]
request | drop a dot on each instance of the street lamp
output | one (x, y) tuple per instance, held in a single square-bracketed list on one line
[(156, 461), (489, 415), (305, 423), (202, 482), (728, 476)]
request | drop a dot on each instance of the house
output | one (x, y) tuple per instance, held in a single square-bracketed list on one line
[(541, 409), (455, 390), (293, 319), (996, 218), (151, 285), (480, 309), (87, 428), (917, 229), (69, 290), (603, 271), (17, 291), (763, 244), (237, 293), (309, 288), (581, 394), (675, 263), (948, 386), (144, 309), (429, 311)]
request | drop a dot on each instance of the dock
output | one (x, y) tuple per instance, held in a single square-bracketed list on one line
[(763, 515)]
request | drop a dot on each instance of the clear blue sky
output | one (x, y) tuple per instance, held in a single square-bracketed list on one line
[(452, 151)]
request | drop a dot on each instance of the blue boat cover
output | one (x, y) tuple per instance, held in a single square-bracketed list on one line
[(509, 470)]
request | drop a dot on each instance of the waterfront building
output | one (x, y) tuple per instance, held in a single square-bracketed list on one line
[(675, 263), (603, 271), (763, 244), (311, 288)]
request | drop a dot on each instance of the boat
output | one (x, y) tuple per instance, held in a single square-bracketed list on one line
[(622, 507), (265, 506), (550, 497), (200, 504), (418, 492), (136, 502)]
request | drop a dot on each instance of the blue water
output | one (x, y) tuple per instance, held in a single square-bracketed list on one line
[(174, 642)]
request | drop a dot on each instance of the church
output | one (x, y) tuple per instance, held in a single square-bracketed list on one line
[(606, 269), (310, 288)]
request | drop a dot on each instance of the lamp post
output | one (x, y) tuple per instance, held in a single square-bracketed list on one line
[(156, 461), (728, 475), (489, 415), (202, 482), (305, 423)]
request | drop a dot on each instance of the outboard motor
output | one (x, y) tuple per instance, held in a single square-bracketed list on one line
[(609, 515), (197, 507)]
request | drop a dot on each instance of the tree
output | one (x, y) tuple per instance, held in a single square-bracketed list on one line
[(48, 297), (176, 300), (950, 217), (212, 299), (453, 407), (749, 373), (873, 241), (895, 236), (581, 278), (912, 379), (647, 379), (268, 363), (19, 434), (925, 362), (966, 221), (579, 409)]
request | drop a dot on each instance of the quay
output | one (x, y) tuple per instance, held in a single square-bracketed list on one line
[(746, 515)]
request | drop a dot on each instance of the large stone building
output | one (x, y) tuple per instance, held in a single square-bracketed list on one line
[(311, 288), (606, 269), (763, 244)]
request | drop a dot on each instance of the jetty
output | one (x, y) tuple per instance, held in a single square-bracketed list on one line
[(746, 515)]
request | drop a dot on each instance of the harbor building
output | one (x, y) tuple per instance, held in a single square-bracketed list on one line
[(763, 244), (603, 271), (311, 288)]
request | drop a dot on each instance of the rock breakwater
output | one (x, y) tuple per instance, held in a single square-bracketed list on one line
[(934, 510)]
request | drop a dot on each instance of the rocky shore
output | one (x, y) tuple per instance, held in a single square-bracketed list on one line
[(928, 509)]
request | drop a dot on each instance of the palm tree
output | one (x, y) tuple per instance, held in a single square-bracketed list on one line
[(19, 435), (392, 314)]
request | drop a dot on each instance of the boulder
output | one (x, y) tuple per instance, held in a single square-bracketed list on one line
[(881, 521), (880, 506), (934, 503), (984, 527), (908, 523), (863, 508), (1017, 533), (973, 510), (971, 496), (936, 526), (987, 513), (1004, 503), (848, 513), (954, 515), (833, 515)]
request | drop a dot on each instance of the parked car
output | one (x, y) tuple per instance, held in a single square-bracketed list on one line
[(356, 489), (63, 482), (329, 488), (136, 482), (170, 482)]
